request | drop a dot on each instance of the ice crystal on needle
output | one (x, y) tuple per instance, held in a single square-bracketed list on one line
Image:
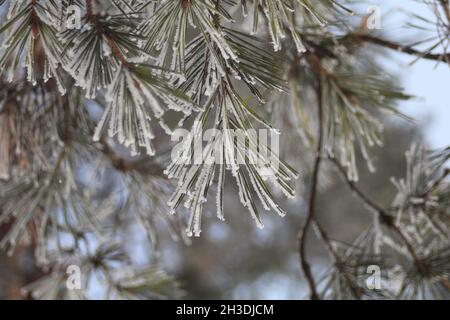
[(27, 25)]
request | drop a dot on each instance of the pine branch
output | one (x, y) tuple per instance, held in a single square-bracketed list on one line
[(382, 215), (441, 57), (338, 263), (445, 4), (144, 166), (146, 58), (312, 200)]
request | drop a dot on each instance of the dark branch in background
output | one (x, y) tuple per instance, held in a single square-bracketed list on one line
[(144, 166), (321, 74), (93, 18), (306, 268), (442, 57), (385, 218), (436, 183)]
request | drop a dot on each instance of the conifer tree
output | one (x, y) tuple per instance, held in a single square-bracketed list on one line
[(92, 93)]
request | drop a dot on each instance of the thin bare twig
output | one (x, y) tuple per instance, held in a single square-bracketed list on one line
[(442, 57), (306, 268), (382, 215), (445, 4), (339, 264)]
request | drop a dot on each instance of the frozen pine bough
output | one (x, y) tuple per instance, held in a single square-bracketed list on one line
[(92, 92)]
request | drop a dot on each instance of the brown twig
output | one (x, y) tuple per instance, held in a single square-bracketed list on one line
[(306, 268), (442, 57), (436, 183), (445, 4), (93, 18), (382, 215), (339, 264)]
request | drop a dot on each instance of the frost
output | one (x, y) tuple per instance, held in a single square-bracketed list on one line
[(126, 115), (218, 155)]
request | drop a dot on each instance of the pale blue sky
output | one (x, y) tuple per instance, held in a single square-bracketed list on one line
[(431, 109), (425, 79)]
